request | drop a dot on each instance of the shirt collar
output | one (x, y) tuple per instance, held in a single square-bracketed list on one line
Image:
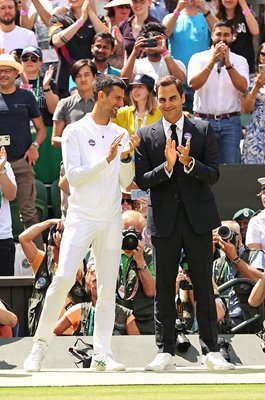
[(166, 125)]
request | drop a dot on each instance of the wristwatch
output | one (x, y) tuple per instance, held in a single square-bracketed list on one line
[(46, 90), (236, 260), (35, 144), (144, 268), (127, 160)]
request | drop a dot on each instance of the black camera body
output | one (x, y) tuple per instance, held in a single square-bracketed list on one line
[(227, 234), (150, 42), (185, 285), (130, 239), (53, 229)]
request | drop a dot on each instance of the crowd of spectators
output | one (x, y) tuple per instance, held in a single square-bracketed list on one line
[(50, 54)]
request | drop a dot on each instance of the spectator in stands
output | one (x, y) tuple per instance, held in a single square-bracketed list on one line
[(36, 16), (101, 50), (245, 26), (219, 77), (46, 95), (132, 27), (71, 109), (18, 108), (72, 34), (13, 36), (144, 110), (253, 103), (126, 201), (8, 320), (44, 265), (242, 217), (160, 8), (255, 236), (136, 284), (158, 61), (81, 316), (117, 12), (235, 263), (188, 29), (8, 191)]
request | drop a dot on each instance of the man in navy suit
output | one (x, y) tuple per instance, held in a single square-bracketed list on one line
[(177, 159)]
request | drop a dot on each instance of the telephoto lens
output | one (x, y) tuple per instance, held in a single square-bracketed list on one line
[(182, 341)]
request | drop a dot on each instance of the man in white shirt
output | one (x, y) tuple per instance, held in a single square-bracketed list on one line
[(219, 77), (96, 156), (158, 62), (12, 36), (8, 190)]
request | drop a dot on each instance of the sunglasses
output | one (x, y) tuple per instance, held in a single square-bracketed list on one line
[(124, 6), (262, 53), (128, 201), (26, 58)]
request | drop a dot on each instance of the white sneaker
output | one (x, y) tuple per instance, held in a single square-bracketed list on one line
[(215, 361), (34, 360), (162, 362), (103, 362)]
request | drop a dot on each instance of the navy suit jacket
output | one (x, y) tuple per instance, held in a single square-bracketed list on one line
[(194, 188)]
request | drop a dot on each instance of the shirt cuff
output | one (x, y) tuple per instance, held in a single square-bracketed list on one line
[(169, 174), (188, 170)]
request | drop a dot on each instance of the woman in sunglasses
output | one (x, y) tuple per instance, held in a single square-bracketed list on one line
[(45, 92), (117, 12), (245, 27), (254, 103)]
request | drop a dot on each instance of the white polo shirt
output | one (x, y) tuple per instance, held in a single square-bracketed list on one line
[(5, 214), (218, 95), (94, 183)]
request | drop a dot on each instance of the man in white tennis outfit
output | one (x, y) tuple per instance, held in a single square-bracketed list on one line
[(96, 155)]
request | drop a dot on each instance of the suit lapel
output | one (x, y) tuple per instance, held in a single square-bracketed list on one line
[(188, 127), (159, 134)]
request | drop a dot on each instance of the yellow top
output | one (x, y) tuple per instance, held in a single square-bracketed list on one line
[(126, 118)]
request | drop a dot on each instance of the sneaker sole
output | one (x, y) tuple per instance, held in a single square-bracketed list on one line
[(166, 368)]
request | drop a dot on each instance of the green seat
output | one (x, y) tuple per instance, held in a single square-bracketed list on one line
[(56, 199), (47, 167), (41, 206), (41, 191)]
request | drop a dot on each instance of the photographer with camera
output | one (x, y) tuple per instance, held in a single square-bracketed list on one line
[(228, 265), (158, 61), (136, 284), (44, 266)]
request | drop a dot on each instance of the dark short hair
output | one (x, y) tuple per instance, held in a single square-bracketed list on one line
[(83, 63), (153, 26), (106, 36), (225, 23), (170, 80), (105, 84)]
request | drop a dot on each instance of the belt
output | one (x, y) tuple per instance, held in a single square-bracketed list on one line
[(218, 116)]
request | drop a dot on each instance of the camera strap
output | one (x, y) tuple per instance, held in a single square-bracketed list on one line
[(127, 290)]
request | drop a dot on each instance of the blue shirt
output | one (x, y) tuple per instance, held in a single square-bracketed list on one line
[(191, 35)]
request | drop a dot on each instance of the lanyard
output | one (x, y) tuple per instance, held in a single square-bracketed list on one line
[(36, 90), (136, 120), (91, 321)]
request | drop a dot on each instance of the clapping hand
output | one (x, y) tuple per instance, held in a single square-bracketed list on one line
[(48, 77), (184, 153), (130, 146)]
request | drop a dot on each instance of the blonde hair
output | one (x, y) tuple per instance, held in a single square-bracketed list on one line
[(150, 103), (134, 215)]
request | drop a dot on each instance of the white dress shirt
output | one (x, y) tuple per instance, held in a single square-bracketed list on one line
[(218, 95)]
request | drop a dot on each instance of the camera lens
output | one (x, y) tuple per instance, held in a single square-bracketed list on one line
[(130, 239)]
